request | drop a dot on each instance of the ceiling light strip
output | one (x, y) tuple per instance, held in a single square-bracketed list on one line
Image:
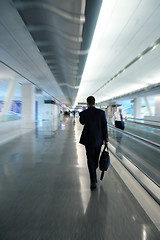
[(39, 28), (68, 85), (45, 6), (147, 50), (72, 51), (148, 88)]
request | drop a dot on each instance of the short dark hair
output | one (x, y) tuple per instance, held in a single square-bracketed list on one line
[(91, 100)]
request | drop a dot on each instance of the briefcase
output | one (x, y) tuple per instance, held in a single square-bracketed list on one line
[(104, 161)]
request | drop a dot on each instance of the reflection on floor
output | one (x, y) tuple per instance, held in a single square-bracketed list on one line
[(45, 194)]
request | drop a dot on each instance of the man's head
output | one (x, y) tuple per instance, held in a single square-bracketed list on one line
[(120, 109), (90, 101)]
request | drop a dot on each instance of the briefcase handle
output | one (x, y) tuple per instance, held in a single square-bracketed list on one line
[(106, 146)]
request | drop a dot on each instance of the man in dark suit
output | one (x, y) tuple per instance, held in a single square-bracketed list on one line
[(94, 134)]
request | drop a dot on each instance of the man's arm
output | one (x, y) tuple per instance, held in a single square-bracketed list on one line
[(82, 118), (105, 129), (125, 115)]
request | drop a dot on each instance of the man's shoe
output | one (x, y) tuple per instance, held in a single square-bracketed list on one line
[(93, 185)]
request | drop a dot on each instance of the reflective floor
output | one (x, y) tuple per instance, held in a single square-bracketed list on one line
[(45, 194)]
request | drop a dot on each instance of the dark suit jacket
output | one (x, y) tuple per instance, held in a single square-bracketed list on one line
[(95, 127)]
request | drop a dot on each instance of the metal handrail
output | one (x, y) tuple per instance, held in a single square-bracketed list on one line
[(144, 119), (135, 136)]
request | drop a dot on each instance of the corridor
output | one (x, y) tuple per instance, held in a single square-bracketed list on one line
[(45, 191)]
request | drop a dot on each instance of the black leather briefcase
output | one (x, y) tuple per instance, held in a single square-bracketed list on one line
[(104, 161)]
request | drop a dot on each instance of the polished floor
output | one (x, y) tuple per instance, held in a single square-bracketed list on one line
[(45, 194)]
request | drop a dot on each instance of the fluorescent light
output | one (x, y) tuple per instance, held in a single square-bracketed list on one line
[(140, 57), (154, 47), (103, 21), (104, 39)]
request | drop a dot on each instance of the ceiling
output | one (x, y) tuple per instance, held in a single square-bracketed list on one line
[(125, 53), (150, 92), (47, 43)]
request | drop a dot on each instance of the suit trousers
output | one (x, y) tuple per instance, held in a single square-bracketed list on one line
[(92, 160)]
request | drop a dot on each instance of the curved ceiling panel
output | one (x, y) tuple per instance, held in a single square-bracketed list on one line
[(62, 30), (126, 44)]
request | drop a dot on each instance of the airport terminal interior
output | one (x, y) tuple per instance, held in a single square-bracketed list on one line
[(53, 55)]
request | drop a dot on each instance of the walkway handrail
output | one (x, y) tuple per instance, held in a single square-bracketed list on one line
[(146, 124), (144, 119), (135, 136)]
